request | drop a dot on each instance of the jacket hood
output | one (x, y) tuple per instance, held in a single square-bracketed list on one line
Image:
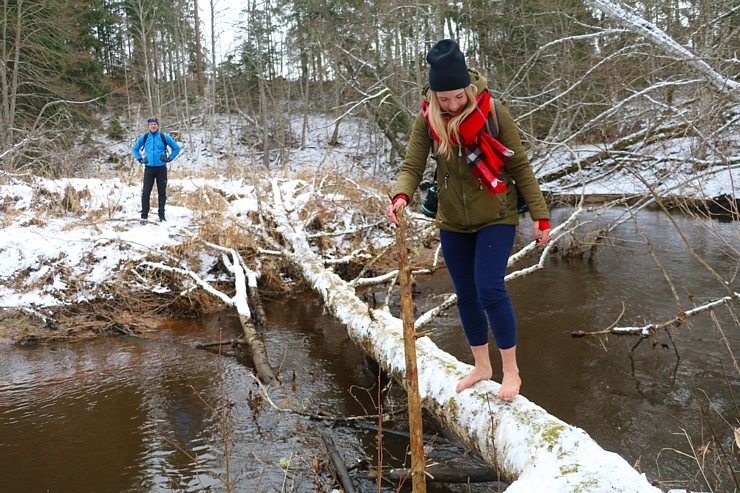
[(475, 78)]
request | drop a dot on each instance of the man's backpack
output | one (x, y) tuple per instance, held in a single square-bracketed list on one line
[(492, 125)]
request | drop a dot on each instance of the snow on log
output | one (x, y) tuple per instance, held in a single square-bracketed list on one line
[(536, 451)]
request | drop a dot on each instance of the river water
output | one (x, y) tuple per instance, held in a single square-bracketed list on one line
[(156, 414)]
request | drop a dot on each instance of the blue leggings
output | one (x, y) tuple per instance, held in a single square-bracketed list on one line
[(477, 265)]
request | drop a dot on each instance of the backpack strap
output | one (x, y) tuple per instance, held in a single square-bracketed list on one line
[(432, 141), (164, 142)]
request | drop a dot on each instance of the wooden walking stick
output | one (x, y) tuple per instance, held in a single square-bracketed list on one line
[(418, 479)]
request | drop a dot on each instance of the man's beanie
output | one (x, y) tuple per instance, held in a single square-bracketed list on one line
[(447, 69)]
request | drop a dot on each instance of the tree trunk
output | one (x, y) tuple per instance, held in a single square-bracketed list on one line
[(257, 349), (198, 51)]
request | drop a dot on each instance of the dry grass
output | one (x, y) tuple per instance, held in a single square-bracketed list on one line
[(9, 210), (16, 325), (135, 313)]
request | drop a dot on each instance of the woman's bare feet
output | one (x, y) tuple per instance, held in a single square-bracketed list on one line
[(474, 377), (510, 382), (510, 385), (481, 369)]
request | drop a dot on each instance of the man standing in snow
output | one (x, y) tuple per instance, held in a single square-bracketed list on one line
[(155, 159)]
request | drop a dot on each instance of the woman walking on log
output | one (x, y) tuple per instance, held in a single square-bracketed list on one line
[(477, 213)]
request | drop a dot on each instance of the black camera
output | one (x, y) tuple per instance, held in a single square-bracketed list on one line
[(429, 206)]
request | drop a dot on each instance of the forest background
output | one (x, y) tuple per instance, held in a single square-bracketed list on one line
[(573, 72), (603, 92)]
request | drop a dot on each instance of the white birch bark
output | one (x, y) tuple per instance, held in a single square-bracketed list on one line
[(535, 450)]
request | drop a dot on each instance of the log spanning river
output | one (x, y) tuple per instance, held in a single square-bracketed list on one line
[(124, 414)]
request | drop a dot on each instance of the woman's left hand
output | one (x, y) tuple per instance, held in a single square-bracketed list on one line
[(541, 236)]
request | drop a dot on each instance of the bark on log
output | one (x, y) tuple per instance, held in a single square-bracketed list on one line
[(257, 348), (533, 449), (336, 459), (253, 336), (258, 310), (244, 281)]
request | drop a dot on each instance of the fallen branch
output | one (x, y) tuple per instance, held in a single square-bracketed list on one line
[(317, 416), (251, 334), (230, 342), (339, 466), (627, 17), (405, 434), (242, 276)]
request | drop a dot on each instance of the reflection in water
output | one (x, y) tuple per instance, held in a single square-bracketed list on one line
[(146, 414)]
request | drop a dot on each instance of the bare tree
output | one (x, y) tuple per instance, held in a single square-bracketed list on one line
[(46, 62)]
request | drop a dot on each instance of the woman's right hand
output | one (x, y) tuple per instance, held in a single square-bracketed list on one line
[(397, 205)]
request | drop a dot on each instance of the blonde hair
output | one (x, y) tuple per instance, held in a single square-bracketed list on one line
[(444, 129)]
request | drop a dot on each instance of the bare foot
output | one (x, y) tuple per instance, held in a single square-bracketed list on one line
[(509, 385), (474, 377)]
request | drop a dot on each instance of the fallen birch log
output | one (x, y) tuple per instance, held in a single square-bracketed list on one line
[(252, 336), (534, 450), (244, 279)]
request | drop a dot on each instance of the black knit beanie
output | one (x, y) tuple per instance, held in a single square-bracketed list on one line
[(447, 69)]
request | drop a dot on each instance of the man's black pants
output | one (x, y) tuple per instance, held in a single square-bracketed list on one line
[(152, 174)]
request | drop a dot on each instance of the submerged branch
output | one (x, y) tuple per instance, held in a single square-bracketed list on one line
[(319, 416), (336, 459), (442, 474)]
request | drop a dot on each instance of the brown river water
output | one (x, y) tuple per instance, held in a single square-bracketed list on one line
[(155, 414)]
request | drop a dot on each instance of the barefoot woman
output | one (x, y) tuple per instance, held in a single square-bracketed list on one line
[(477, 213)]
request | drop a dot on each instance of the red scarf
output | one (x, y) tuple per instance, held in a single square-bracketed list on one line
[(484, 154)]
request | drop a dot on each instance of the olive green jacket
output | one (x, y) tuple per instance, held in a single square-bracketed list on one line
[(465, 205)]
